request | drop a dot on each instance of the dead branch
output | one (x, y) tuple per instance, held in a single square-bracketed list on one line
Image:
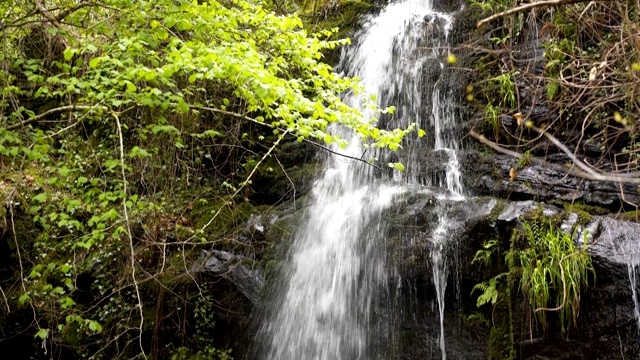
[(633, 178), (525, 7)]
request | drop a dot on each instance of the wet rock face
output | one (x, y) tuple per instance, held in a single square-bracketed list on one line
[(238, 270), (607, 328)]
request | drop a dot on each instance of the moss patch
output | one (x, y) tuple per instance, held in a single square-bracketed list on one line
[(585, 212)]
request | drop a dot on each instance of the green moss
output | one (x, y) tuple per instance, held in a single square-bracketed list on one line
[(585, 212), (633, 216), (280, 238)]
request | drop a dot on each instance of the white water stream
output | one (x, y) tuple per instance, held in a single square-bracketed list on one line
[(337, 259)]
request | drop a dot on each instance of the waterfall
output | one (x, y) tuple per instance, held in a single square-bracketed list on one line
[(623, 237), (325, 304)]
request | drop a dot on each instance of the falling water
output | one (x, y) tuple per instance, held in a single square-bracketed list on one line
[(335, 269), (623, 237), (632, 267), (324, 311)]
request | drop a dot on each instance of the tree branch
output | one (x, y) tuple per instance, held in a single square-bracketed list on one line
[(49, 112), (524, 7), (246, 118), (633, 178)]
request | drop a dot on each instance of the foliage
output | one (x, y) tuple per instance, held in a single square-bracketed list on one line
[(550, 268), (553, 267), (130, 133)]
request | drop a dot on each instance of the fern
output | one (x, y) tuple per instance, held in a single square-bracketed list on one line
[(489, 291), (483, 256)]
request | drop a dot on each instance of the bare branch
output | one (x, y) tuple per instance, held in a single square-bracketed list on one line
[(633, 178), (52, 111), (525, 7), (131, 248)]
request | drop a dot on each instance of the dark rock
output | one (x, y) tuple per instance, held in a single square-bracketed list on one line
[(237, 269), (606, 326)]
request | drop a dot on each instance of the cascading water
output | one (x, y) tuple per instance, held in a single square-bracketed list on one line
[(335, 269), (337, 260), (629, 253)]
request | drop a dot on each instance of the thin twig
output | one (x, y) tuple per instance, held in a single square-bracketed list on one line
[(246, 118), (242, 185), (6, 302)]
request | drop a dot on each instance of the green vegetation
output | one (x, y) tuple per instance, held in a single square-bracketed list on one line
[(133, 135), (553, 267), (548, 268)]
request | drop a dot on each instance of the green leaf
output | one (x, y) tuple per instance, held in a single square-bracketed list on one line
[(182, 106), (64, 268), (138, 152), (67, 302), (68, 53), (95, 326), (42, 334), (397, 166), (94, 62), (131, 87), (42, 197), (552, 89), (24, 298), (163, 128)]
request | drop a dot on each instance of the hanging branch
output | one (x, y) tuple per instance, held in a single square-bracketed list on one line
[(524, 7), (246, 118), (132, 254)]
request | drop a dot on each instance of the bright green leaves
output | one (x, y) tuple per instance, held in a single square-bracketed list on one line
[(94, 326), (42, 334), (40, 197), (68, 53), (67, 302), (397, 166)]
